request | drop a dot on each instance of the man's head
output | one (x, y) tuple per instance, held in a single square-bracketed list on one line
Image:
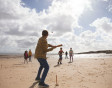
[(45, 33), (60, 48)]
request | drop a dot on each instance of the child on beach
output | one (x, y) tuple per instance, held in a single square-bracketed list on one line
[(40, 54), (30, 54), (66, 55), (71, 54), (60, 56), (25, 57)]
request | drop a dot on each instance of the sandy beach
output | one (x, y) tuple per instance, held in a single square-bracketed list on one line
[(82, 73)]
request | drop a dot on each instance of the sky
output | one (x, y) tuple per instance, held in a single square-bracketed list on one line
[(83, 25)]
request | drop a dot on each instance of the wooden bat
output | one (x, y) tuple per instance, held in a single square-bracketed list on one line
[(59, 45)]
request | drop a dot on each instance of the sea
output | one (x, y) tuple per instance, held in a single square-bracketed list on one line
[(101, 55)]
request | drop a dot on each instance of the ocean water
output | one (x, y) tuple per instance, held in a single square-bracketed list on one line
[(101, 55)]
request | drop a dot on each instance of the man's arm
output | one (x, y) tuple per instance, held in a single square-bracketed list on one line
[(45, 47), (49, 45)]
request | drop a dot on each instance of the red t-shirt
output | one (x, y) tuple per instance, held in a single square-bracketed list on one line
[(60, 52)]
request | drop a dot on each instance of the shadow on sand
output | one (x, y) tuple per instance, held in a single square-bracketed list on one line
[(17, 64), (33, 85), (21, 63), (69, 62), (57, 65)]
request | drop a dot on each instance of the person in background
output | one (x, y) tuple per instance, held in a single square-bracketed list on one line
[(66, 55), (25, 57), (71, 54), (30, 55), (60, 56), (40, 54)]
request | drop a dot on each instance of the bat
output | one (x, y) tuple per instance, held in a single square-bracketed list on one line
[(59, 45)]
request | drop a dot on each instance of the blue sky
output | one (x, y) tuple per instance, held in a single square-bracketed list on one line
[(84, 25), (39, 5)]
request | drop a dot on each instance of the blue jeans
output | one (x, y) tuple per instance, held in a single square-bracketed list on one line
[(43, 64)]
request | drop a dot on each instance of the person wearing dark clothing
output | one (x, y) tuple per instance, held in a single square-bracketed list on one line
[(66, 55), (60, 56), (25, 57)]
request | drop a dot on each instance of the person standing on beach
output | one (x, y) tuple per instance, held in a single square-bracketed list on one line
[(40, 53), (71, 54), (66, 55), (60, 56), (30, 54), (25, 57)]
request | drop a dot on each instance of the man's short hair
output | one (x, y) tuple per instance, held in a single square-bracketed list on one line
[(44, 33)]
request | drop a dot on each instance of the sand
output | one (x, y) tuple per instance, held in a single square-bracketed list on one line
[(82, 73)]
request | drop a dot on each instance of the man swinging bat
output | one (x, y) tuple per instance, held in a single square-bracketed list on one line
[(40, 55)]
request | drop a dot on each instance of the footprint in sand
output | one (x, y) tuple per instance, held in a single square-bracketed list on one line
[(63, 83), (91, 74), (81, 80), (34, 72), (96, 76), (84, 86), (109, 66), (103, 64), (10, 77), (94, 82)]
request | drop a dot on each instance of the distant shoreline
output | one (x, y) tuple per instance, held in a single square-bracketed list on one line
[(89, 52), (97, 52)]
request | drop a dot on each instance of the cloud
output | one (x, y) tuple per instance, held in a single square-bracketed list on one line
[(3, 41), (15, 32), (20, 26), (12, 9), (60, 26), (24, 43), (62, 16), (16, 22), (103, 25), (102, 36)]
